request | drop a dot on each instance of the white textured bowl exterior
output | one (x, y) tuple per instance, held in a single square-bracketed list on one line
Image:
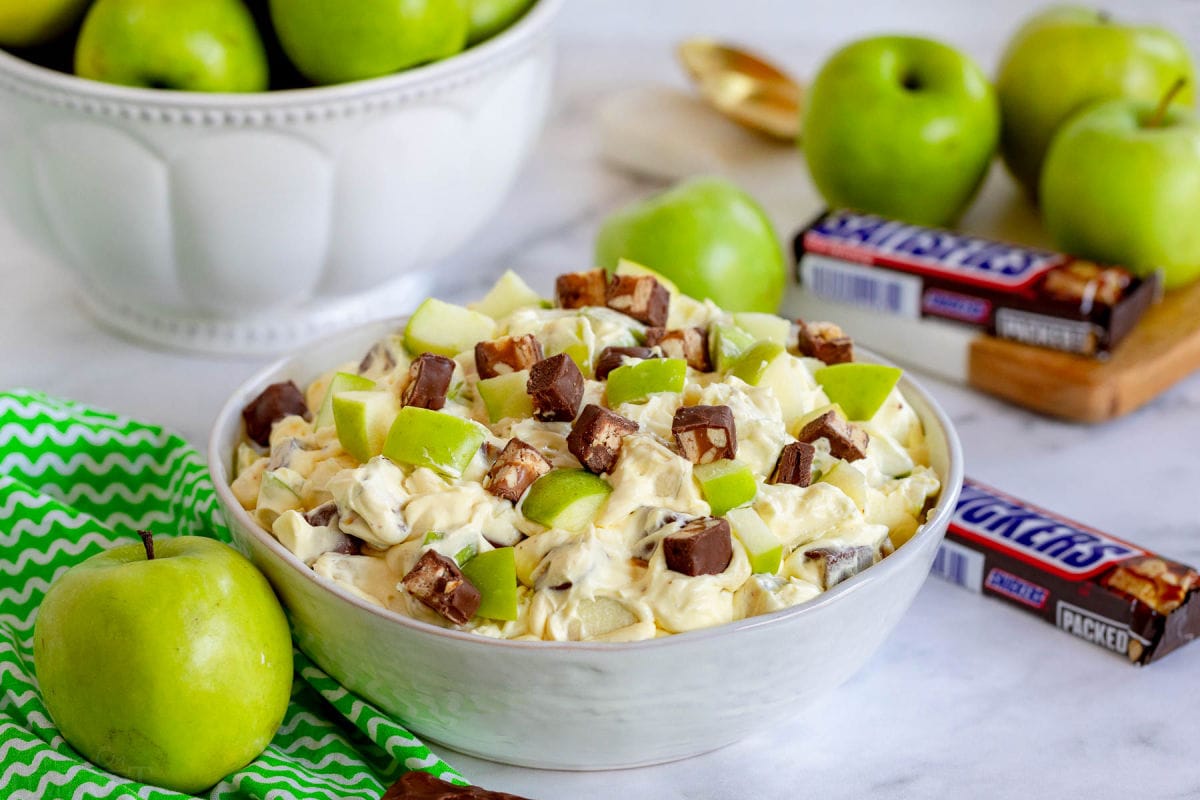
[(235, 208), (579, 705)]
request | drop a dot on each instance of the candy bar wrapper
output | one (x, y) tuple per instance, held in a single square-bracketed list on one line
[(1034, 296), (1092, 585)]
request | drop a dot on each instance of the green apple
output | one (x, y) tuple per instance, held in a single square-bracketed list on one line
[(508, 294), (634, 383), (1121, 185), (489, 17), (763, 547), (332, 41), (706, 235), (859, 389), (506, 396), (28, 23), (769, 365), (726, 484), (363, 420), (900, 126), (850, 480), (446, 329), (191, 45), (174, 670), (494, 574), (599, 616), (754, 362), (573, 336), (568, 499), (764, 327), (425, 438), (340, 382), (1068, 57), (727, 344), (279, 491)]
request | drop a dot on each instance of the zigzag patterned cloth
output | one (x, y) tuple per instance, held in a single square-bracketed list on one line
[(75, 481)]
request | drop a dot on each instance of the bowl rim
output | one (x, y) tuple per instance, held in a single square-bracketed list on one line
[(218, 470), (462, 66)]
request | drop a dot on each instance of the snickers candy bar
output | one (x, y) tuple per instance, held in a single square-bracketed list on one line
[(795, 464), (841, 564), (703, 546), (641, 297), (613, 357), (595, 439), (423, 786), (825, 342), (428, 381), (438, 583), (705, 434), (556, 386), (510, 354), (581, 289), (514, 470), (277, 401), (846, 440), (690, 344), (326, 516)]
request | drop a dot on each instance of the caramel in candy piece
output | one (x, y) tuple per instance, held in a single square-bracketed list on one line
[(613, 357), (825, 342), (556, 386), (596, 438), (690, 344), (277, 401), (705, 433), (795, 464), (514, 470), (640, 297), (507, 355), (428, 381), (703, 546), (846, 440), (438, 583), (581, 289)]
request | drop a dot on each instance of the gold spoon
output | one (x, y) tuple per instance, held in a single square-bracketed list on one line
[(744, 87)]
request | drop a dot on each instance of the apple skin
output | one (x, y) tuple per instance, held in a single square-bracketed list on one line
[(190, 45), (706, 235), (175, 671), (900, 126), (1068, 57), (28, 23), (1120, 193), (332, 41), (489, 17)]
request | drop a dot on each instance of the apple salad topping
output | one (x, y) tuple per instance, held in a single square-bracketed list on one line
[(624, 463)]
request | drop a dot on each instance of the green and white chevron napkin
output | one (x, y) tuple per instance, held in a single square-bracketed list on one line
[(75, 481)]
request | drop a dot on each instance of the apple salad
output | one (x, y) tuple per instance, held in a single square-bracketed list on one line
[(623, 463)]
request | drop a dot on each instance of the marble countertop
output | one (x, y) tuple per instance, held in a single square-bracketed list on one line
[(967, 695)]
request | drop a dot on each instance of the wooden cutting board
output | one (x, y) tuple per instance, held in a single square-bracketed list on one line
[(668, 134)]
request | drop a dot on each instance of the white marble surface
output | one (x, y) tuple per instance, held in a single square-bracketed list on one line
[(968, 697)]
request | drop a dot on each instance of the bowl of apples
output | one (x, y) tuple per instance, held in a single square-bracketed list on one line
[(238, 177)]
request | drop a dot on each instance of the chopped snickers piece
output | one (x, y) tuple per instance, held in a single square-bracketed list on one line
[(514, 470), (825, 342), (438, 583), (703, 546), (613, 357), (705, 433), (795, 464), (277, 401), (379, 360), (846, 440), (556, 386), (423, 786), (595, 439), (510, 354), (690, 344), (839, 565), (428, 381), (323, 516), (640, 297), (581, 289)]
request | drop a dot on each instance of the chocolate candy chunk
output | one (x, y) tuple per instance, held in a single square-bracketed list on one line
[(277, 401), (323, 516), (438, 583), (428, 381), (795, 464), (702, 547), (595, 439), (423, 786), (518, 465), (581, 289), (846, 440), (510, 354), (641, 297), (705, 433), (556, 386), (838, 565), (380, 359), (825, 341), (690, 344), (613, 357)]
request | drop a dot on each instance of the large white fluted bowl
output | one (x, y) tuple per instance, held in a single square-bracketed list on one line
[(248, 223)]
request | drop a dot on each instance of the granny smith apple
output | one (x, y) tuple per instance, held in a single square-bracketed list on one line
[(332, 41), (858, 389), (726, 484), (634, 383), (28, 23), (1068, 57), (494, 574), (850, 480), (753, 363), (707, 236), (900, 126), (727, 344), (508, 294), (363, 420), (764, 327), (191, 45), (489, 17), (506, 396), (174, 669), (763, 547), (340, 382), (425, 438), (568, 499), (1121, 185), (446, 329), (769, 365)]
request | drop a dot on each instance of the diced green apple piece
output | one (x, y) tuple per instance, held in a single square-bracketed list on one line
[(425, 438), (446, 329), (508, 294), (505, 396), (526, 557), (763, 547), (341, 382), (726, 344), (627, 267), (600, 616), (573, 337), (494, 574), (568, 499), (850, 480), (279, 491), (764, 327), (754, 362), (363, 420), (788, 379), (726, 484), (860, 389), (634, 383)]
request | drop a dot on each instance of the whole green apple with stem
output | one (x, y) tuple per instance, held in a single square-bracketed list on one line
[(900, 126), (1069, 57), (169, 662), (28, 23), (190, 45), (1121, 185)]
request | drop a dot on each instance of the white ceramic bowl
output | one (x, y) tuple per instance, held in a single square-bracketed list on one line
[(248, 223), (574, 705)]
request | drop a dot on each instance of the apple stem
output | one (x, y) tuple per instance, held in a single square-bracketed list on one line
[(1160, 113), (148, 543)]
